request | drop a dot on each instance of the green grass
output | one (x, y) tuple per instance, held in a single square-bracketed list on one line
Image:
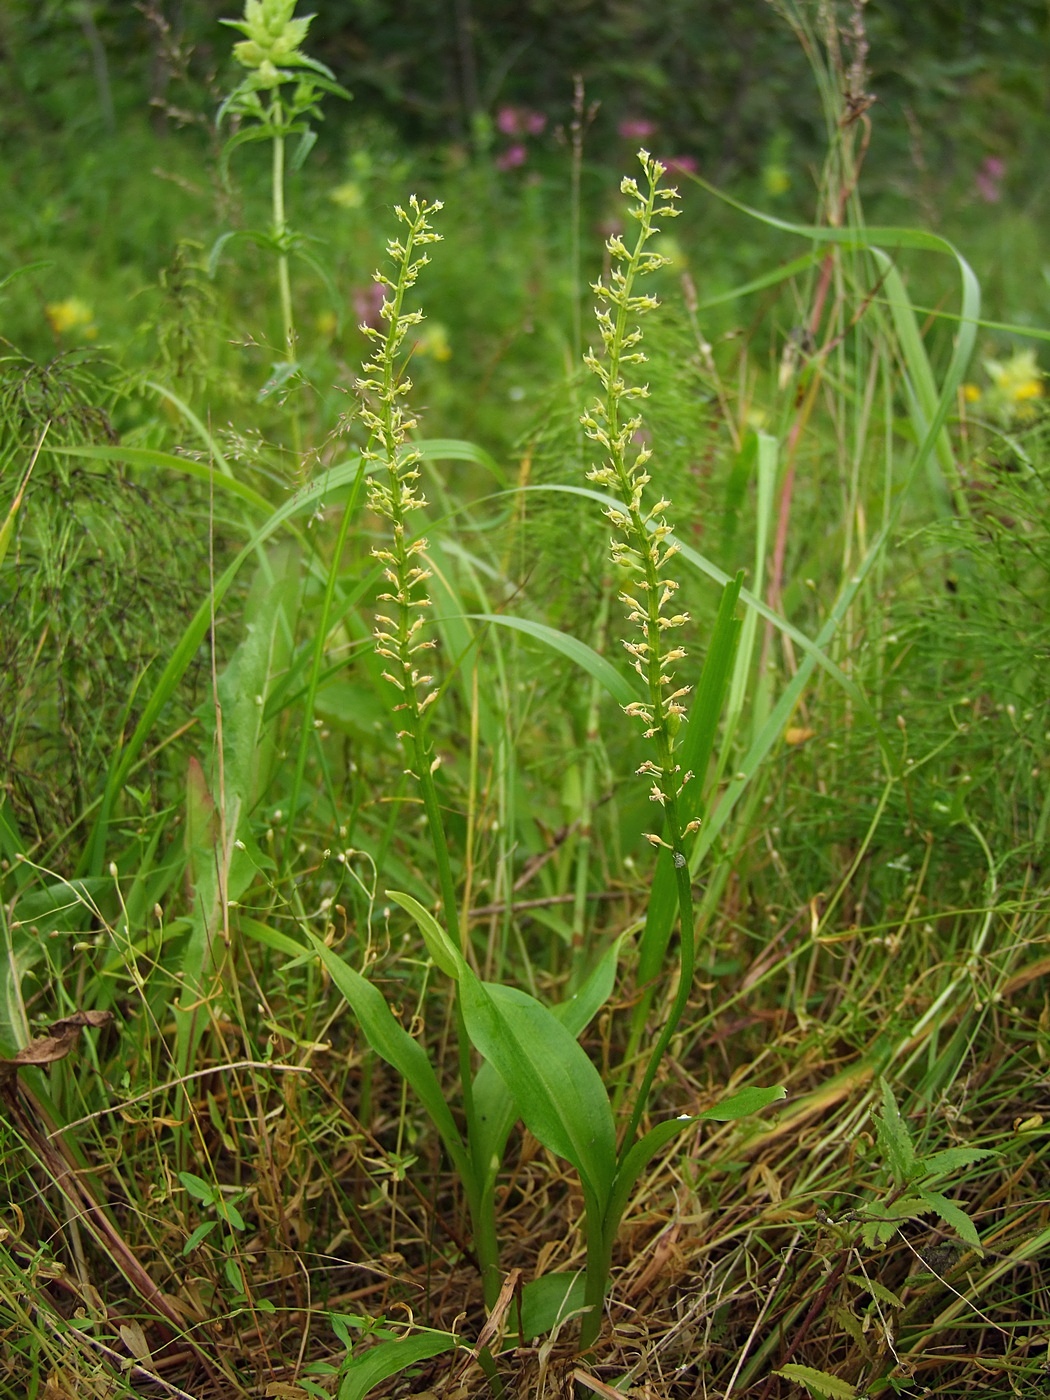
[(219, 860)]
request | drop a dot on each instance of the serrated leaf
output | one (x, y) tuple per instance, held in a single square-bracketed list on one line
[(894, 1139), (876, 1289), (818, 1383), (952, 1158), (954, 1215)]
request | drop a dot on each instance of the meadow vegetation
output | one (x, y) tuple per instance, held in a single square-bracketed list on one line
[(525, 723)]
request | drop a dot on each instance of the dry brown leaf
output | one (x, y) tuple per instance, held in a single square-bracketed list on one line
[(56, 1044)]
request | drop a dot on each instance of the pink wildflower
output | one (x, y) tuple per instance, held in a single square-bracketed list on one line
[(508, 120), (512, 157), (987, 180), (367, 302), (636, 129)]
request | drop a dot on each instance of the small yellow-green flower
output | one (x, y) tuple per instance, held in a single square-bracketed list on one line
[(1015, 385), (348, 195), (775, 179), (433, 341), (72, 315)]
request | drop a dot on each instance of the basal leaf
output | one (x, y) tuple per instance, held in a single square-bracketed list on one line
[(389, 1039), (495, 1108), (363, 1373), (546, 1301), (558, 1091)]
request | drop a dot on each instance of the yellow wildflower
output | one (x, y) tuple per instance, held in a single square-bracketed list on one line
[(1016, 382), (971, 393), (71, 315)]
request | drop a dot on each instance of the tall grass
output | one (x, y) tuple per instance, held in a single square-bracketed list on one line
[(321, 808)]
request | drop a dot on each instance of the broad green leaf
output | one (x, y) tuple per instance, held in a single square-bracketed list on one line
[(270, 937), (363, 1373), (458, 450), (559, 1093), (545, 1302), (818, 1383), (198, 1188), (495, 1110), (389, 1039), (442, 950), (894, 1139), (743, 1103), (622, 690), (954, 1215)]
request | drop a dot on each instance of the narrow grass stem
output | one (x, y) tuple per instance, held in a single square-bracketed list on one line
[(317, 663)]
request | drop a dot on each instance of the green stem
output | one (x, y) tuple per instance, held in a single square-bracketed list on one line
[(280, 230), (480, 1200), (596, 1280), (687, 959)]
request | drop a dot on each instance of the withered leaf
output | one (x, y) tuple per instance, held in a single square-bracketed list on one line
[(55, 1045)]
